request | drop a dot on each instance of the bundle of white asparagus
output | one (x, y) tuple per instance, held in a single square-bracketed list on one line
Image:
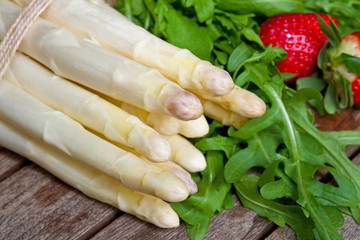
[(106, 106)]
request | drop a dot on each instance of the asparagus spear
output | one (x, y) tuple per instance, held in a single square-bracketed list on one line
[(186, 154), (58, 130), (223, 115), (242, 102), (174, 167), (89, 181), (87, 108), (80, 60), (167, 125), (110, 29)]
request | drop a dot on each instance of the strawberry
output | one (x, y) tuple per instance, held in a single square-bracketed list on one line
[(300, 36), (355, 87), (350, 45)]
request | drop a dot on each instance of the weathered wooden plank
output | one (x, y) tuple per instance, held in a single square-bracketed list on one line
[(238, 223), (129, 227), (9, 163), (349, 119), (282, 233), (36, 205)]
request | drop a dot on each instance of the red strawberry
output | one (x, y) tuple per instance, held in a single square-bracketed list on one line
[(300, 36), (350, 44), (355, 87)]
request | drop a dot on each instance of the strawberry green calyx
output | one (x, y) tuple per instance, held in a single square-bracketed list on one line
[(350, 49), (340, 64)]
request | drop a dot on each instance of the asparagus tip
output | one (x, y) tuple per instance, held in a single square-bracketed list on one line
[(214, 80), (218, 82), (255, 108), (183, 105), (160, 149)]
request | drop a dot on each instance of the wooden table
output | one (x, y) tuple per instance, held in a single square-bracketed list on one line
[(36, 205)]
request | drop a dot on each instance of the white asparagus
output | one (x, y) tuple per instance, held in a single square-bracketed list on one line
[(169, 166), (87, 180), (185, 154), (174, 168), (87, 108), (185, 158), (241, 102), (58, 130), (109, 28), (225, 116), (80, 60), (167, 125), (181, 173)]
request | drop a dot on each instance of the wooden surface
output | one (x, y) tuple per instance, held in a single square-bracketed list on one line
[(36, 205)]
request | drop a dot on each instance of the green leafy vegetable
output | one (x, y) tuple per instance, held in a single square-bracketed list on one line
[(266, 7), (346, 11), (307, 149), (198, 209), (247, 190), (352, 63), (271, 161)]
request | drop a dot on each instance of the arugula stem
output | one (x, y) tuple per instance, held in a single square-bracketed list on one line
[(324, 226), (305, 199), (346, 167)]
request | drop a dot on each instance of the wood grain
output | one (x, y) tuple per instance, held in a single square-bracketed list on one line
[(34, 204), (238, 223), (349, 119), (9, 163)]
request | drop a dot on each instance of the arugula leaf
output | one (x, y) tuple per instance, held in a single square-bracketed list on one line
[(204, 8), (239, 56), (247, 190), (266, 7), (198, 209), (288, 110), (227, 145), (352, 63), (310, 82), (260, 152), (184, 32)]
